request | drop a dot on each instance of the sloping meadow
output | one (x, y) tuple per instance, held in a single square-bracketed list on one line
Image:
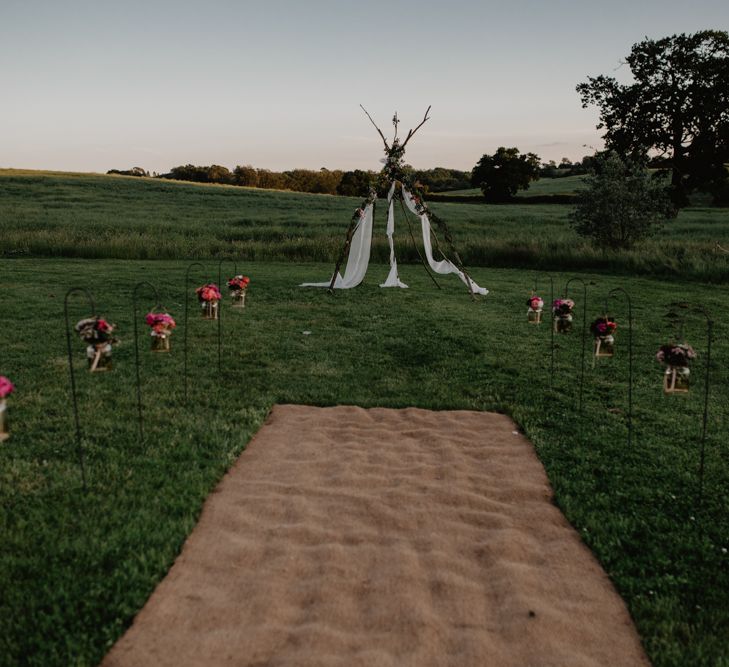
[(113, 217)]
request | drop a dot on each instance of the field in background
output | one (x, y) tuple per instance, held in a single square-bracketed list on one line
[(95, 216), (565, 185)]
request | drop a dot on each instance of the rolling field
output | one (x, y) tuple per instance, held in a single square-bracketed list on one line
[(75, 567), (565, 185), (95, 216)]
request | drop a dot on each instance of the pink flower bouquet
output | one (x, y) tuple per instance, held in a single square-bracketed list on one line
[(209, 297), (96, 332), (6, 387), (161, 325), (208, 293), (238, 283)]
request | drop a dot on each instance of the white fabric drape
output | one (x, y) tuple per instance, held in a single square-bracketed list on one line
[(359, 254), (444, 266), (393, 280), (359, 250)]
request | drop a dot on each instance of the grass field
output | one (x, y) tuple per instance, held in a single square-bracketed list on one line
[(52, 215), (75, 567), (566, 185)]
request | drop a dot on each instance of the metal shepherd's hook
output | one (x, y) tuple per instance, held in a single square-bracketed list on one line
[(220, 308), (74, 399), (184, 338), (584, 331), (144, 283), (551, 324), (612, 294), (705, 417)]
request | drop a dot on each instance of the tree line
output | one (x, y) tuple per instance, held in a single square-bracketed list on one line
[(674, 117), (322, 181)]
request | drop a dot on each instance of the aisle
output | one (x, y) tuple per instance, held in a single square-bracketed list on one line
[(345, 536)]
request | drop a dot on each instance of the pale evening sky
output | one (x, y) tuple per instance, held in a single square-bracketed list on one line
[(93, 85)]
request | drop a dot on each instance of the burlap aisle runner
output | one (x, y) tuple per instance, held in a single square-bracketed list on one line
[(345, 536)]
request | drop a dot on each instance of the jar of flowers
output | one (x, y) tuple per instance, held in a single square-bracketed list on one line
[(676, 358), (238, 286), (161, 325), (535, 305), (96, 333), (562, 315), (603, 331), (209, 297), (6, 388)]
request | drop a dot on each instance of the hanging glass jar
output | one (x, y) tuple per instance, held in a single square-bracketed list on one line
[(603, 331), (535, 306), (161, 325), (562, 315), (209, 297), (238, 286), (96, 332), (98, 356), (676, 357)]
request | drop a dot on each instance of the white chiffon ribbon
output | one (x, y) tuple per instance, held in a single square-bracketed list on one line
[(393, 280), (359, 255), (359, 250), (445, 266)]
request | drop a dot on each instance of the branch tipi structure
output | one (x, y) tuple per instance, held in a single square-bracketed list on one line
[(399, 186)]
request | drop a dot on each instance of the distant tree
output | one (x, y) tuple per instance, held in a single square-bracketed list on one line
[(355, 183), (622, 204), (217, 174), (505, 172), (678, 106), (441, 179), (272, 180), (246, 176), (134, 171), (326, 181)]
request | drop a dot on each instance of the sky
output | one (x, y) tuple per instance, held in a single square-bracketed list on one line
[(100, 84)]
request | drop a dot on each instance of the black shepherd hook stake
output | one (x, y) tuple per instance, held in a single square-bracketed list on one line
[(184, 338), (584, 330), (92, 303), (144, 283), (220, 308), (705, 417), (613, 294), (551, 324)]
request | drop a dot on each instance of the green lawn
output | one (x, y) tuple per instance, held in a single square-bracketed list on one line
[(95, 216), (75, 567)]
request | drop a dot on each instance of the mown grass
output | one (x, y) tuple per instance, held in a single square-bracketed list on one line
[(75, 567), (105, 217)]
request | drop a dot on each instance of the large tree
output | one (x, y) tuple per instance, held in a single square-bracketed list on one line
[(677, 107), (505, 172), (621, 204)]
